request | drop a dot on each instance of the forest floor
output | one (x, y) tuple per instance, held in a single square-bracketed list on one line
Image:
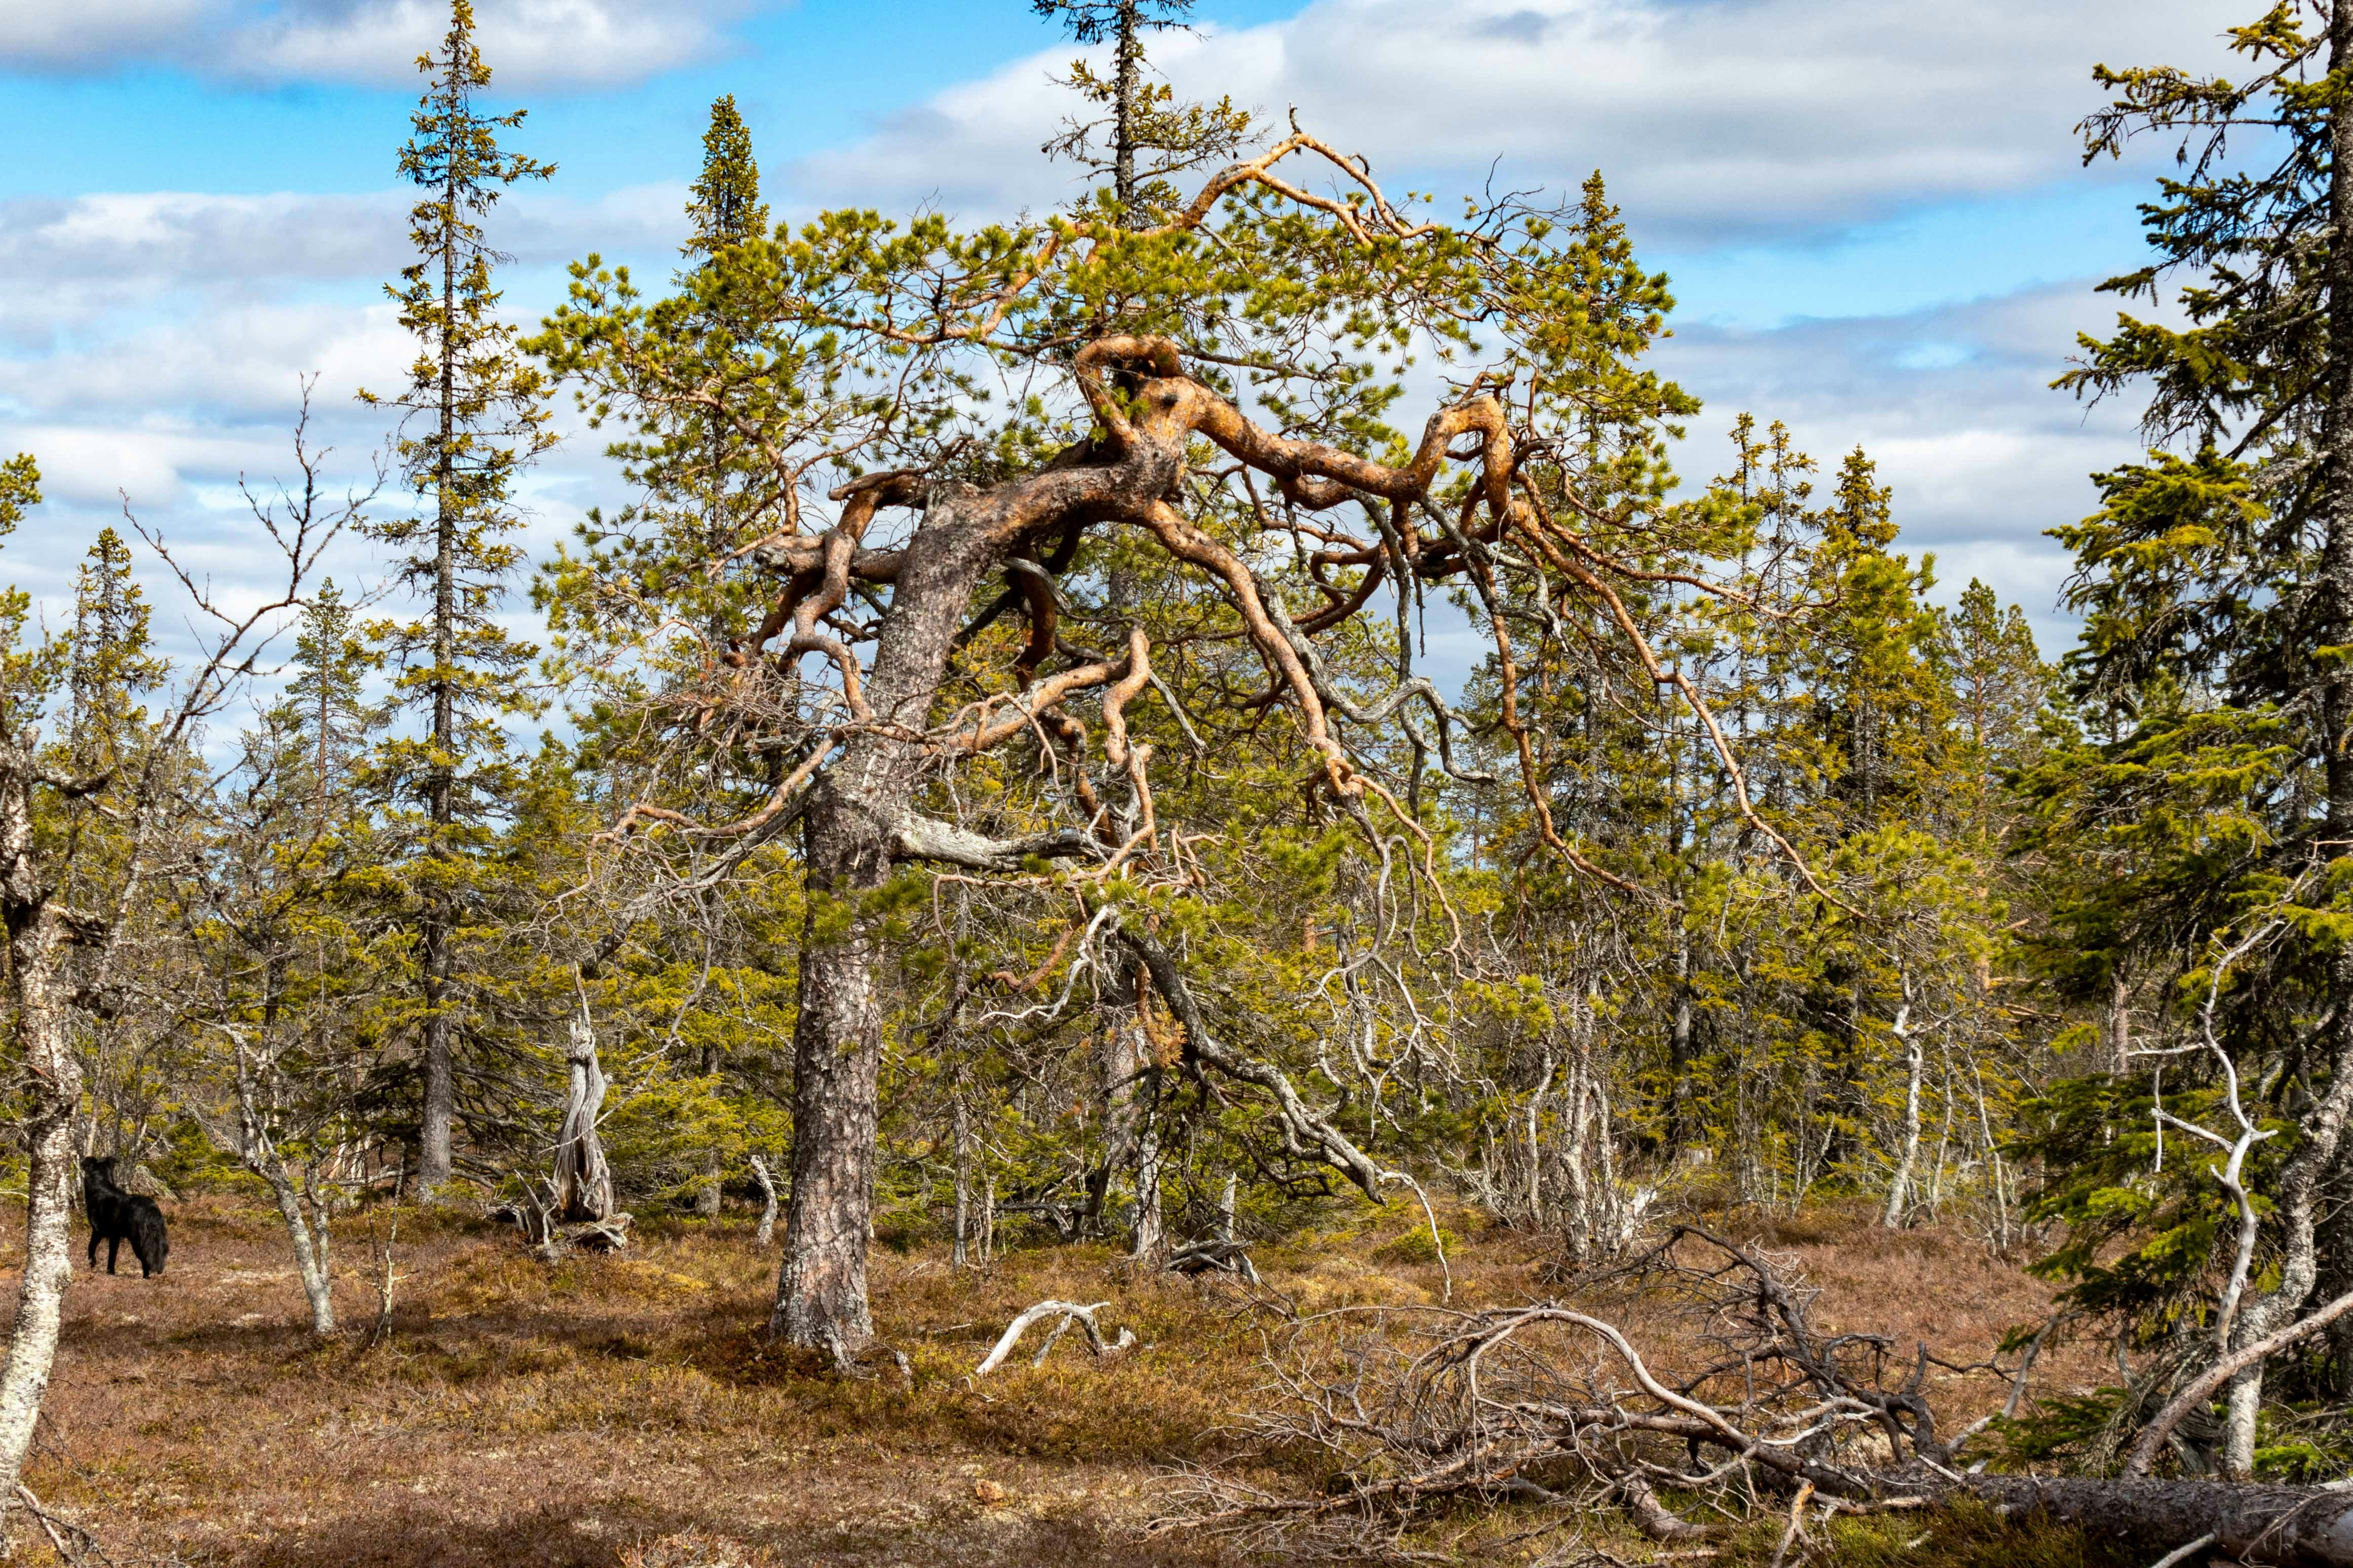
[(628, 1412)]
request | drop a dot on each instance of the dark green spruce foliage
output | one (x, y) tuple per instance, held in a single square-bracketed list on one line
[(473, 418), (2210, 801)]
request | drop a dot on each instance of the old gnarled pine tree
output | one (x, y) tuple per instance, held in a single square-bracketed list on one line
[(860, 355)]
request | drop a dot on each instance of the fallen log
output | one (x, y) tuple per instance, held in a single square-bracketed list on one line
[(610, 1234), (1066, 1313), (1425, 1406), (2280, 1527)]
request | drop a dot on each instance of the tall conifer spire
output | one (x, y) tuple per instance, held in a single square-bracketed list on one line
[(473, 416), (726, 209)]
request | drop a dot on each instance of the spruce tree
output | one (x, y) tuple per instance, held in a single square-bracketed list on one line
[(472, 418), (726, 209), (326, 715), (1143, 117), (111, 662), (638, 581), (2216, 583)]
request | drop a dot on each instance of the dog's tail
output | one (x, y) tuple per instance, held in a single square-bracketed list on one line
[(148, 1237)]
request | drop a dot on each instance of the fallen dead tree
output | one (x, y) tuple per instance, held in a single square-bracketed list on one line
[(1220, 1253), (1064, 1314), (1416, 1412)]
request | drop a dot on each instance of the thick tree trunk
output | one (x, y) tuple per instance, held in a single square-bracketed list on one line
[(2285, 1527), (837, 1053), (36, 931), (855, 810)]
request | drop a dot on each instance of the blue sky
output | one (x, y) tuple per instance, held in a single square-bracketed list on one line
[(1875, 216)]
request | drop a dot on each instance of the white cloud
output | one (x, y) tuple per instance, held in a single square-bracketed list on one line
[(153, 349), (1983, 455), (104, 263), (1713, 120), (533, 43)]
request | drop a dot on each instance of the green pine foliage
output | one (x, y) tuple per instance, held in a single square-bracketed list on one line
[(1750, 865)]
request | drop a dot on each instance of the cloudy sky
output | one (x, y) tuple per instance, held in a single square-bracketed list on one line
[(1878, 224)]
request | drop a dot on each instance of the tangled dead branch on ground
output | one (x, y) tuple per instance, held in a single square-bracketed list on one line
[(1064, 1313), (1417, 1415)]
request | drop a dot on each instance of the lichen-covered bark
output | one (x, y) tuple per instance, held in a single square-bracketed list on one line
[(311, 1259), (860, 821), (853, 829)]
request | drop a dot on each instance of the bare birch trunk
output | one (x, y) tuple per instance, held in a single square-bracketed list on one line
[(1899, 1189), (308, 1234), (768, 1231), (1578, 1221), (35, 931)]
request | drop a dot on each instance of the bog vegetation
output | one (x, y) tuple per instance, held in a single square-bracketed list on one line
[(994, 811)]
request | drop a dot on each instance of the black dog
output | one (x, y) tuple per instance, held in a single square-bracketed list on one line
[(117, 1217)]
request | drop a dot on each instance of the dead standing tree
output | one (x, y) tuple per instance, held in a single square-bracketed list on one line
[(1536, 484), (584, 1181)]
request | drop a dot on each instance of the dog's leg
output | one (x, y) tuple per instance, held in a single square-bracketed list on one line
[(113, 1251), (94, 1248)]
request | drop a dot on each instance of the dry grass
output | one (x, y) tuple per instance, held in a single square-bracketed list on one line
[(628, 1412)]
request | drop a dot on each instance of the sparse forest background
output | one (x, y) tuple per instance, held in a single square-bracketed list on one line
[(982, 784)]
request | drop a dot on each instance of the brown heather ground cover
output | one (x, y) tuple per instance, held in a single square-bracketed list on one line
[(628, 1412)]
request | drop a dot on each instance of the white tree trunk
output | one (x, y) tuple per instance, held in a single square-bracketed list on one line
[(52, 1097), (768, 1231), (1899, 1189), (308, 1233)]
